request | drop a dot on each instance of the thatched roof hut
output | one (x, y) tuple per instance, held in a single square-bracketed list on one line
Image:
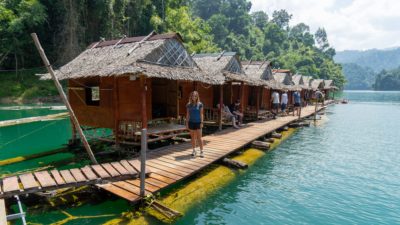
[(224, 66), (328, 85), (307, 81), (317, 84), (260, 70), (160, 56), (284, 79)]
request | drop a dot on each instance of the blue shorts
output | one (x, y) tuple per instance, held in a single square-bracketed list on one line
[(283, 107), (194, 126)]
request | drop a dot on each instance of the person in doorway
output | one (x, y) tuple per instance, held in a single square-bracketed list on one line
[(194, 121), (227, 114), (235, 109), (297, 103), (275, 102), (284, 102)]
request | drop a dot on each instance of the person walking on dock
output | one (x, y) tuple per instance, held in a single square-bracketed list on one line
[(297, 103), (284, 102), (194, 121), (275, 102)]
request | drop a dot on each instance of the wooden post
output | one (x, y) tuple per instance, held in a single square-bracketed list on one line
[(63, 97), (143, 97), (221, 102), (242, 97), (143, 151), (194, 86), (315, 111), (231, 92), (116, 110), (257, 102), (3, 215)]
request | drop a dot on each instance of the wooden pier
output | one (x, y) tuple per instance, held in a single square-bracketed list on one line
[(166, 165), (173, 163)]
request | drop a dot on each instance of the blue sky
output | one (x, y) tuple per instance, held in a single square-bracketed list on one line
[(351, 24)]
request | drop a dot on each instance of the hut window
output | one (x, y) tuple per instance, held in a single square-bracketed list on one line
[(233, 66), (93, 96)]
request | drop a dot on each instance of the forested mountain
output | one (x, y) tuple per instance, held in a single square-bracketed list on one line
[(66, 27), (388, 80), (358, 77), (375, 59)]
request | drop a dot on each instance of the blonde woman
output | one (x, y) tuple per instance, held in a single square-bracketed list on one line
[(194, 121)]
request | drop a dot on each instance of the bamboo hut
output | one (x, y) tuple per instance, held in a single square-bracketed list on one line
[(307, 90), (260, 70), (223, 66), (132, 83), (329, 87), (284, 80)]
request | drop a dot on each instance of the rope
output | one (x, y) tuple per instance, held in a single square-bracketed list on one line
[(30, 133)]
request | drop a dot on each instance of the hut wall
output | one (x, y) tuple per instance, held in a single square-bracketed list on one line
[(185, 88), (206, 93), (129, 99), (100, 115), (266, 99)]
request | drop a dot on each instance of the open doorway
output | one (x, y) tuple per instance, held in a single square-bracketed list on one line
[(164, 98)]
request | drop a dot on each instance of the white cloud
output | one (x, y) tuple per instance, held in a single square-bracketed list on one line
[(350, 24)]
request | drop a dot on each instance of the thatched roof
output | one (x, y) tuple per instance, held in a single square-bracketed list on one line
[(317, 84), (260, 70), (298, 79), (224, 66), (162, 56)]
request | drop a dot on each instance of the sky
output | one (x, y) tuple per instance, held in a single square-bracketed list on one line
[(350, 24)]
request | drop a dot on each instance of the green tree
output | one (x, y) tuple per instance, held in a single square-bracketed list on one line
[(281, 18), (260, 19)]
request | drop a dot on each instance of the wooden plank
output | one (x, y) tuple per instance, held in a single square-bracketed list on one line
[(66, 174), (45, 179), (162, 178), (128, 167), (110, 170), (3, 213), (100, 171), (128, 187), (149, 187), (156, 182), (176, 171), (165, 174), (136, 164), (120, 192), (121, 170), (181, 169), (57, 177), (10, 184), (78, 176), (89, 173), (28, 181)]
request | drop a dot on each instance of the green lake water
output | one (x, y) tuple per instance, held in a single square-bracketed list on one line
[(343, 171)]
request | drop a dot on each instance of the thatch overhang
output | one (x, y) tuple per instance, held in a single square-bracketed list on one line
[(224, 66), (317, 84), (160, 56), (328, 85), (284, 80), (260, 70), (307, 82)]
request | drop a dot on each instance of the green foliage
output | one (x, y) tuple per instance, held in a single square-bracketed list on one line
[(388, 80), (358, 77), (66, 27)]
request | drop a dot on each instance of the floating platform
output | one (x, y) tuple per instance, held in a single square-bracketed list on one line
[(166, 165)]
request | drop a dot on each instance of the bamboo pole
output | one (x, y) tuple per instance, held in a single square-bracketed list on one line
[(64, 98)]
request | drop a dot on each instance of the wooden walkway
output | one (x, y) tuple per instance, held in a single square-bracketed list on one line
[(165, 166), (57, 179), (173, 163)]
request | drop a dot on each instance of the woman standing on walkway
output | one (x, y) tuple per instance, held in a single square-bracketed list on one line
[(194, 121)]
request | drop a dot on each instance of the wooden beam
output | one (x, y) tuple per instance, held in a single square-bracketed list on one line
[(116, 109), (242, 97), (63, 97), (231, 92), (221, 102), (257, 101), (143, 97)]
